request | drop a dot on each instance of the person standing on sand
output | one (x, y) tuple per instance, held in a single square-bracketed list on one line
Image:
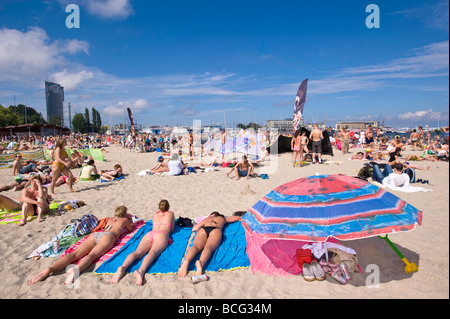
[(316, 137), (345, 136), (369, 136), (296, 147)]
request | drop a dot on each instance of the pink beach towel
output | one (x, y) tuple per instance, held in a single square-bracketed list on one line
[(116, 247), (274, 257)]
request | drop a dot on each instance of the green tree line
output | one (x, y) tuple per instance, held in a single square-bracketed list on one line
[(81, 123), (15, 115)]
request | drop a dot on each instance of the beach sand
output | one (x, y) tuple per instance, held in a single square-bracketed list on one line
[(197, 195)]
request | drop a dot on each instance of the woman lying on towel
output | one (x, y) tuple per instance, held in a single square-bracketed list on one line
[(208, 238), (111, 175), (96, 245), (152, 244)]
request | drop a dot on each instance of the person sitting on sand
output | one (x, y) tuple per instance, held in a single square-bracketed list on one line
[(175, 165), (151, 245), (18, 168), (160, 166), (207, 239), (111, 175), (89, 172), (35, 200), (96, 245), (243, 169)]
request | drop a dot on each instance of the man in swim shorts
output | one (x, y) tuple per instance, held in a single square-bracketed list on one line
[(316, 137), (243, 169)]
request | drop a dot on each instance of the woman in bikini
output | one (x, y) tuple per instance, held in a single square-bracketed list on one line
[(152, 244), (207, 239), (296, 147), (111, 175), (96, 245), (304, 147), (35, 200), (61, 164)]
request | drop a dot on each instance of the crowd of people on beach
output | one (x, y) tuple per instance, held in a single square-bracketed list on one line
[(31, 176)]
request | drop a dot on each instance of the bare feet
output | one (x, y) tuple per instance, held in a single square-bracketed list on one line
[(40, 276), (118, 275), (199, 266), (22, 222), (182, 272), (139, 277), (70, 277)]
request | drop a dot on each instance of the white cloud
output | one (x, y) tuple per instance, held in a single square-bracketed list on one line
[(109, 8), (422, 115), (28, 57), (136, 106), (71, 80)]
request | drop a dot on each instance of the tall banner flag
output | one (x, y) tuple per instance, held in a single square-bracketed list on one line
[(133, 133), (299, 105)]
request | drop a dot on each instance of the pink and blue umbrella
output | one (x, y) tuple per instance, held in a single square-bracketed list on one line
[(316, 208)]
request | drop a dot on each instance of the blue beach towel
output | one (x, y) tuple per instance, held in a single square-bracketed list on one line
[(168, 262), (231, 253), (115, 179)]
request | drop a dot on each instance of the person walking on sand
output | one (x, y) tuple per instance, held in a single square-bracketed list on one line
[(316, 136), (151, 245), (206, 241), (96, 245), (61, 164)]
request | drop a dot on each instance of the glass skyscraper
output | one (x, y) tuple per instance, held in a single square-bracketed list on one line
[(54, 96)]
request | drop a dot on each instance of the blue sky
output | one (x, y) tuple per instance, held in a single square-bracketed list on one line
[(173, 62)]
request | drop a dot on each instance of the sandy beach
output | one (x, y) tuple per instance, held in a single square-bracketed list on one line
[(199, 194)]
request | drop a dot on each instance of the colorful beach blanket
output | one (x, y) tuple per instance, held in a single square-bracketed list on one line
[(14, 216), (231, 254), (121, 242), (168, 262)]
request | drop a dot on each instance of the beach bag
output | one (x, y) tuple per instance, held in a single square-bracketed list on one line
[(365, 172), (184, 222), (84, 225), (340, 256), (412, 174), (303, 256)]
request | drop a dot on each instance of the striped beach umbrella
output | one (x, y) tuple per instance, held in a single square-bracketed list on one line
[(318, 207)]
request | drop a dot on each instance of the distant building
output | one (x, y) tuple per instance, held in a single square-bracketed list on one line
[(357, 125), (280, 125), (54, 97)]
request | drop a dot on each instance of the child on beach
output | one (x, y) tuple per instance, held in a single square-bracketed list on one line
[(152, 244)]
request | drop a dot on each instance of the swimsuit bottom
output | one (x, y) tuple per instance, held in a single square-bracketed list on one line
[(296, 148), (151, 235), (60, 165), (209, 229), (242, 173), (98, 235)]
